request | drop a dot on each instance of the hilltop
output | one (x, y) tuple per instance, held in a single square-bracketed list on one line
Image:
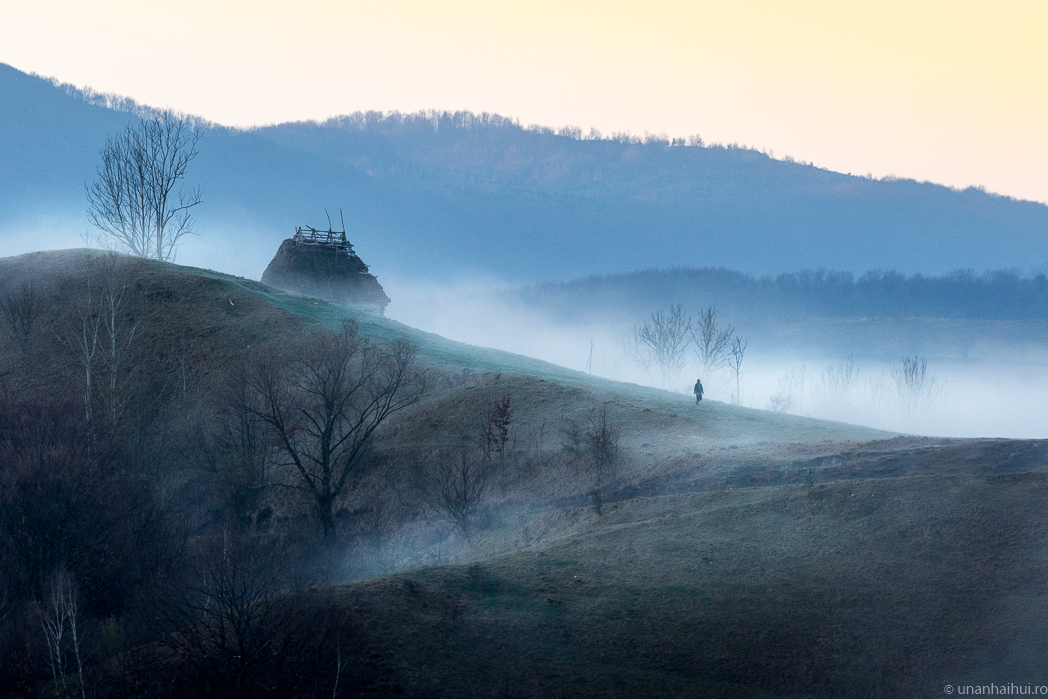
[(452, 195), (733, 552), (207, 322)]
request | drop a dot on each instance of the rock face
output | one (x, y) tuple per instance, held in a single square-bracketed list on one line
[(326, 270)]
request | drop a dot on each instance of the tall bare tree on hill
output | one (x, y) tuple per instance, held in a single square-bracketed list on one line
[(326, 404), (138, 200)]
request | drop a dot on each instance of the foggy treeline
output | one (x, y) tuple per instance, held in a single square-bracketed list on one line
[(963, 294)]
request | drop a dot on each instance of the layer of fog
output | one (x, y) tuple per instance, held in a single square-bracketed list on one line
[(47, 230), (987, 396), (218, 245), (981, 396)]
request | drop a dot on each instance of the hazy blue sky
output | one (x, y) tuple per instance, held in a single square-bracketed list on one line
[(948, 90)]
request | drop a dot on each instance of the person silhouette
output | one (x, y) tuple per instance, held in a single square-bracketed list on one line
[(698, 390)]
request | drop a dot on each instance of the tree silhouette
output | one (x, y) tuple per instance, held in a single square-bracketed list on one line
[(327, 403), (133, 201)]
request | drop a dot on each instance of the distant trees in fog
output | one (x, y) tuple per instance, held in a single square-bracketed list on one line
[(915, 390), (963, 294), (664, 340), (712, 340), (906, 396), (789, 392), (839, 381)]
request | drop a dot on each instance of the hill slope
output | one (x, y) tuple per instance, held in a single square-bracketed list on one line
[(891, 574), (221, 317), (433, 196), (737, 552)]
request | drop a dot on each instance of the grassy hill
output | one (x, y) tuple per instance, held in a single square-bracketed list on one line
[(884, 578), (736, 552)]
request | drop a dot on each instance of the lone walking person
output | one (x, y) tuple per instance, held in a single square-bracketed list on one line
[(698, 391)]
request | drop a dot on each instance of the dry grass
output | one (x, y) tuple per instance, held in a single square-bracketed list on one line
[(741, 553), (887, 586)]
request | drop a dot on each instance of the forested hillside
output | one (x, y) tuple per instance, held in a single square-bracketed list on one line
[(433, 195), (963, 294)]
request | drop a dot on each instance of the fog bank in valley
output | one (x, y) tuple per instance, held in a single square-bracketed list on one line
[(980, 379)]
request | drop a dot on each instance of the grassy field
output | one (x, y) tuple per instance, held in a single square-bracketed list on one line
[(738, 552), (894, 573)]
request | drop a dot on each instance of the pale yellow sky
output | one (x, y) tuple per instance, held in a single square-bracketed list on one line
[(950, 91)]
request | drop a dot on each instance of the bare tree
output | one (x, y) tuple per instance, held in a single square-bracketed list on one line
[(83, 340), (327, 404), (133, 201), (59, 617), (459, 482), (102, 335), (238, 450), (712, 341), (789, 392), (21, 308), (572, 435), (665, 340), (839, 381), (736, 353), (494, 430), (637, 352), (915, 389), (601, 443), (118, 332), (235, 629)]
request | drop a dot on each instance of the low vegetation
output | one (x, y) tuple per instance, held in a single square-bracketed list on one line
[(210, 488)]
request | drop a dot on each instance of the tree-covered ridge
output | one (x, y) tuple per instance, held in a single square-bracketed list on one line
[(491, 152), (436, 194), (962, 294)]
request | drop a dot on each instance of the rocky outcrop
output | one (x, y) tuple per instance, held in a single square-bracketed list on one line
[(329, 271)]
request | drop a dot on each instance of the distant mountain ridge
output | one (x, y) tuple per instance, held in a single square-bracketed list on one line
[(440, 196)]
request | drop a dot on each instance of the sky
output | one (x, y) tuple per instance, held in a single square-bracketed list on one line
[(953, 91)]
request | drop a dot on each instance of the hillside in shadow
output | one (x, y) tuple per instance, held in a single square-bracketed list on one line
[(513, 529)]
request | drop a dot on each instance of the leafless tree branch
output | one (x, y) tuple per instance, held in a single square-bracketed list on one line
[(133, 201)]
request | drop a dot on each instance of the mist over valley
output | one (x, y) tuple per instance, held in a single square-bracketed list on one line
[(983, 337)]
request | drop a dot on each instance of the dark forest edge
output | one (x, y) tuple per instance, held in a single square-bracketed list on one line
[(962, 294)]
